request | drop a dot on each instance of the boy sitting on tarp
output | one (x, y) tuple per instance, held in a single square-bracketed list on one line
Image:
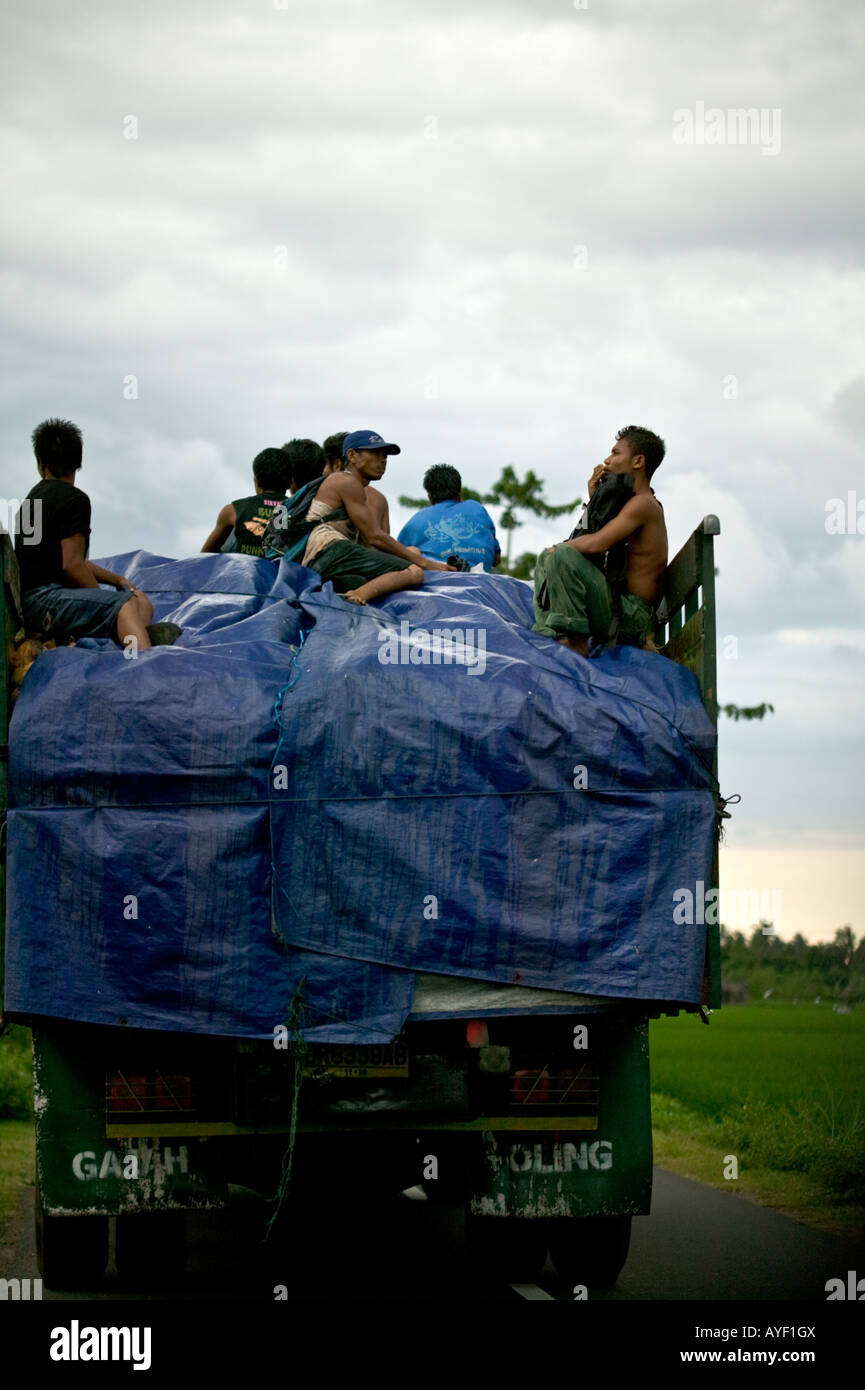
[(348, 544), (606, 583), (240, 525), (60, 588)]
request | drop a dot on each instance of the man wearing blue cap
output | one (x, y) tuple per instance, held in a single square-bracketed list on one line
[(348, 544)]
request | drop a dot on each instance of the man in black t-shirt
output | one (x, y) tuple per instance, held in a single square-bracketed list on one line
[(276, 472), (60, 592)]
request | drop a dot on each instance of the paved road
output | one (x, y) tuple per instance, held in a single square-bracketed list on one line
[(698, 1244)]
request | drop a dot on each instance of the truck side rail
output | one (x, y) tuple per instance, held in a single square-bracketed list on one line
[(686, 632)]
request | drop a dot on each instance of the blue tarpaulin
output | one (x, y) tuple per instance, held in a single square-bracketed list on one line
[(309, 800)]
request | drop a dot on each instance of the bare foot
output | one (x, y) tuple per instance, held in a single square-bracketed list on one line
[(388, 583), (576, 641)]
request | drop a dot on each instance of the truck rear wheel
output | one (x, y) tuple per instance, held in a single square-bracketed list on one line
[(590, 1250), (72, 1251), (150, 1247), (507, 1247)]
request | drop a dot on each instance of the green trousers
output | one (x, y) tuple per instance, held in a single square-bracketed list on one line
[(572, 595), (349, 565)]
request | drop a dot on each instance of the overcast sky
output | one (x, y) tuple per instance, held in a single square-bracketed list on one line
[(470, 227)]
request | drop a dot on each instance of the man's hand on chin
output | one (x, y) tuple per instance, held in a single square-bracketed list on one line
[(600, 472)]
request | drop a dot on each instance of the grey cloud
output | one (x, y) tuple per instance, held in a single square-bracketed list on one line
[(448, 263), (848, 408)]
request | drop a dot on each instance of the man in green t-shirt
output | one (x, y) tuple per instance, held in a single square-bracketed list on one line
[(276, 472)]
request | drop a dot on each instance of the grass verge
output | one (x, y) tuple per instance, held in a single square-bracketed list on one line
[(698, 1147), (17, 1167), (16, 1074), (17, 1137)]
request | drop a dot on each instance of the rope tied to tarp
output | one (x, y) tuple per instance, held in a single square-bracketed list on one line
[(295, 1019), (721, 812), (282, 692), (297, 1048)]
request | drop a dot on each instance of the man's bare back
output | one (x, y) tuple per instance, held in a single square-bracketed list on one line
[(647, 553)]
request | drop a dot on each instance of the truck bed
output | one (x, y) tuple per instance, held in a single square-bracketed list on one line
[(268, 822)]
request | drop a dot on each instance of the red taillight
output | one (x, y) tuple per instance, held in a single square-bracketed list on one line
[(530, 1087), (138, 1091), (477, 1033)]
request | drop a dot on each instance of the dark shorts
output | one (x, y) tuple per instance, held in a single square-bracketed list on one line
[(53, 611), (348, 565)]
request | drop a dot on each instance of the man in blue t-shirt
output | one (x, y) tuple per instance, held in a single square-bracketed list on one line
[(450, 526)]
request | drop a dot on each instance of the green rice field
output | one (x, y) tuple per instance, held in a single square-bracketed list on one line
[(780, 1086)]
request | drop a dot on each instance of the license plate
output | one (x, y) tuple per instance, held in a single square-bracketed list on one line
[(388, 1060)]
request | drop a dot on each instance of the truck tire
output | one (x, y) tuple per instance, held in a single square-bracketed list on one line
[(72, 1251), (590, 1250), (508, 1247), (151, 1247)]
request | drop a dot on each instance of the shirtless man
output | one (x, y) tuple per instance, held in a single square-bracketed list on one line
[(351, 545), (332, 447), (572, 597)]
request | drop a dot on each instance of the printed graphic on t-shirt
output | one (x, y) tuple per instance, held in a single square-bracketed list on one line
[(462, 528), (458, 531), (253, 514)]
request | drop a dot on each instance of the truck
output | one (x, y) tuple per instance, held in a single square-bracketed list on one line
[(528, 1106)]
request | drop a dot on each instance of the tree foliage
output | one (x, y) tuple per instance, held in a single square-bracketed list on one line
[(737, 712), (523, 567), (832, 970)]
